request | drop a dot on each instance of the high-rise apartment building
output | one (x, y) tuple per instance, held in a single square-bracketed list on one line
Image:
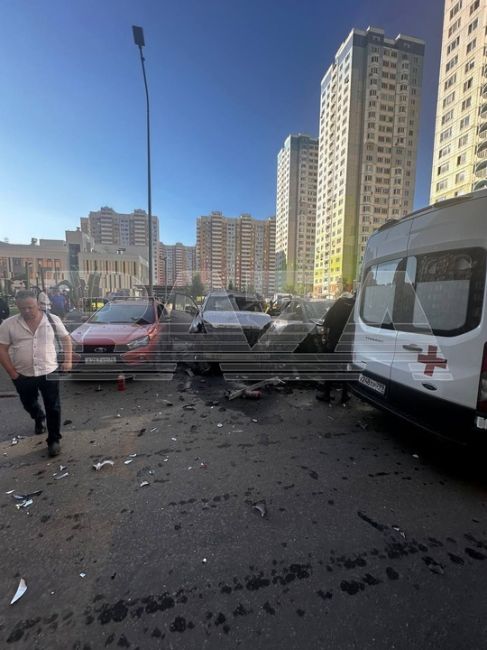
[(369, 123), (297, 173), (116, 229), (236, 252), (177, 265), (460, 153)]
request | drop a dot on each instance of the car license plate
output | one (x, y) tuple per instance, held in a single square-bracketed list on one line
[(371, 383), (100, 360)]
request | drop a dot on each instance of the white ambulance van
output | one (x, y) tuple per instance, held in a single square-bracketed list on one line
[(420, 344)]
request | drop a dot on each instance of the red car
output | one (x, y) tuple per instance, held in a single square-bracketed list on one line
[(122, 336)]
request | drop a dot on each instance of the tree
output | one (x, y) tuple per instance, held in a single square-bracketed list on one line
[(197, 289)]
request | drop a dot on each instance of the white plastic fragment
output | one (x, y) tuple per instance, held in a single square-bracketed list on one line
[(82, 575), (204, 560), (415, 456), (144, 483), (219, 425), (21, 589), (61, 476), (98, 466), (25, 504), (174, 439), (128, 461), (154, 429), (62, 468), (132, 455), (10, 492), (260, 507)]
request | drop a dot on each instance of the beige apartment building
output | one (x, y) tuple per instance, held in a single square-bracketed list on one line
[(369, 124), (110, 228), (177, 265), (460, 152), (236, 252), (44, 262), (297, 173)]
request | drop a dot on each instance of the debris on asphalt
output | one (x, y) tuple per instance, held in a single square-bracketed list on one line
[(61, 476), (260, 507), (82, 575), (144, 483), (398, 530), (16, 440), (189, 372), (128, 461), (25, 504), (254, 420), (118, 415), (252, 394), (415, 456), (21, 497), (21, 589), (154, 429), (98, 388), (166, 402), (98, 466), (132, 455), (121, 382), (188, 407), (363, 425), (204, 560), (10, 492), (219, 425), (274, 381), (66, 422), (174, 439), (62, 468), (203, 466)]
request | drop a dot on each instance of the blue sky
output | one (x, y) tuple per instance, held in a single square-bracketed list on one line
[(229, 80)]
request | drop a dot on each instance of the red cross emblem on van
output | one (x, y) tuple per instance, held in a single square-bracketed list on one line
[(431, 360)]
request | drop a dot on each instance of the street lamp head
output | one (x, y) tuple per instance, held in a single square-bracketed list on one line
[(138, 35)]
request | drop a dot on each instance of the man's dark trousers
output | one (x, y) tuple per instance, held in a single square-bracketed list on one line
[(28, 389)]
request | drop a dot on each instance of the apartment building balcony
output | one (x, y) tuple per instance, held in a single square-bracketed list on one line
[(480, 169), (482, 150), (480, 185), (483, 131)]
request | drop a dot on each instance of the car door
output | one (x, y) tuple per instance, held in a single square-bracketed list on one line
[(375, 336), (181, 311), (439, 345)]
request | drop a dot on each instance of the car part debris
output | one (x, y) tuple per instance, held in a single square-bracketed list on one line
[(21, 589), (204, 560), (154, 429), (252, 394), (121, 382), (132, 455), (98, 466), (260, 507), (25, 504), (189, 372), (10, 492), (61, 476), (254, 420), (219, 425), (398, 530), (144, 483), (128, 461), (15, 441), (29, 495), (174, 439), (98, 388), (188, 407), (203, 465), (166, 402), (66, 422), (274, 381), (82, 575), (415, 456)]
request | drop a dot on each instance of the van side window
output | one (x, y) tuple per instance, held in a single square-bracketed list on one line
[(449, 288), (379, 293)]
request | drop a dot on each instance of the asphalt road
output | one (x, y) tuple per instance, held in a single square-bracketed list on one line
[(375, 535)]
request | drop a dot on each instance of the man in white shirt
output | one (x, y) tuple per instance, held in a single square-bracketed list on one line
[(28, 354)]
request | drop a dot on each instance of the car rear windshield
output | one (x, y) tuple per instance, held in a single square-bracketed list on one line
[(232, 303), (142, 314)]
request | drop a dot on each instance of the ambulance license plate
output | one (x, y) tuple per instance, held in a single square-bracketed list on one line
[(371, 383)]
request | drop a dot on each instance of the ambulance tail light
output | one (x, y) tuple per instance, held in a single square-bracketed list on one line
[(482, 398)]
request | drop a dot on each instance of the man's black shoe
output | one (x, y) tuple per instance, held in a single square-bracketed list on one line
[(40, 428), (54, 449)]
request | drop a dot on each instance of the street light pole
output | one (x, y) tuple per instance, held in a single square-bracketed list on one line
[(138, 33), (164, 259)]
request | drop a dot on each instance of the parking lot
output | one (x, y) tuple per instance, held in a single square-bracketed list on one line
[(373, 534)]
